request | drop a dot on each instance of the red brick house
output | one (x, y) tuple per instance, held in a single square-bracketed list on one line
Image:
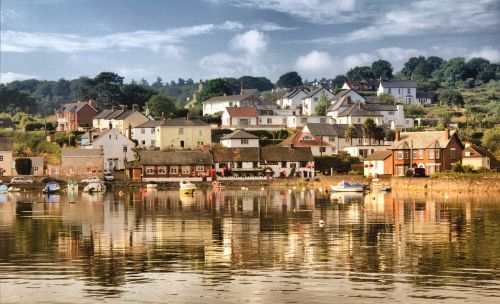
[(435, 151), (75, 116)]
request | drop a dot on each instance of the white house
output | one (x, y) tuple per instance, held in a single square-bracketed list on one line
[(310, 101), (404, 91), (119, 119), (239, 139), (293, 99), (239, 117), (6, 159), (424, 98), (358, 114), (145, 134), (116, 147), (377, 164), (216, 105)]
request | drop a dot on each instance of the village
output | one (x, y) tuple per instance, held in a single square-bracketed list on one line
[(373, 136)]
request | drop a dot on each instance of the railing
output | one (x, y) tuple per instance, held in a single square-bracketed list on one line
[(229, 178)]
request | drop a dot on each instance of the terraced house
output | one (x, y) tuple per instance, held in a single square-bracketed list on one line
[(183, 134)]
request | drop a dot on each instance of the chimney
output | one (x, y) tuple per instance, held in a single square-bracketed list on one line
[(148, 112), (129, 131), (135, 107), (91, 103), (290, 146), (113, 108), (241, 87), (447, 133), (397, 135), (205, 148)]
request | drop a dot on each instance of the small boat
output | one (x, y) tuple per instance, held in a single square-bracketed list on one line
[(14, 189), (51, 187), (152, 186), (217, 185), (187, 187), (95, 187), (386, 188), (72, 186), (4, 189), (344, 186)]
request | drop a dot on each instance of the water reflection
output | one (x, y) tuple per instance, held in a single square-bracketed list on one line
[(259, 245)]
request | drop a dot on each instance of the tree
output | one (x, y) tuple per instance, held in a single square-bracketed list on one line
[(387, 99), (105, 89), (360, 73), (455, 70), (160, 105), (378, 134), (414, 110), (158, 84), (289, 80), (338, 81), (382, 68), (212, 88), (369, 128), (450, 97), (350, 133), (136, 94), (476, 66), (390, 135), (23, 166), (322, 105), (260, 83), (491, 140)]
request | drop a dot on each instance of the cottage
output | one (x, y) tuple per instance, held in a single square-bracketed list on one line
[(378, 163), (217, 104), (478, 157), (162, 166), (6, 159), (81, 163), (239, 117), (292, 99), (310, 101), (75, 116), (434, 151), (288, 161), (404, 91), (145, 134), (183, 134), (121, 120), (116, 147), (424, 98), (239, 138), (240, 161)]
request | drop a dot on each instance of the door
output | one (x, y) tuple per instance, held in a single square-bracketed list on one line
[(182, 144)]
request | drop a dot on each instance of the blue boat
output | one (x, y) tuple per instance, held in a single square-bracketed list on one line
[(51, 187)]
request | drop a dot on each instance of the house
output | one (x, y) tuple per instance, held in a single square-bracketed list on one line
[(310, 101), (363, 85), (239, 138), (288, 161), (183, 134), (6, 159), (117, 149), (119, 119), (81, 163), (239, 117), (145, 134), (218, 104), (424, 98), (161, 166), (404, 91), (254, 92), (478, 157), (75, 116), (37, 166), (357, 114), (240, 161), (378, 163), (293, 98), (434, 151), (7, 124)]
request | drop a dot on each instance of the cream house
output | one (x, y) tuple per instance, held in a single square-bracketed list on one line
[(119, 119), (183, 134), (6, 160), (310, 101)]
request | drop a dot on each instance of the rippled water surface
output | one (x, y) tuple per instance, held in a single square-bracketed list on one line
[(254, 246)]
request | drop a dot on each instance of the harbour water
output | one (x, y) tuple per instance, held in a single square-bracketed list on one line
[(273, 245)]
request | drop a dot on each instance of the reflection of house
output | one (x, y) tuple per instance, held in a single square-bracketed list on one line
[(378, 163), (217, 104), (37, 166), (81, 163), (116, 147), (75, 116), (119, 119), (172, 166), (404, 91), (145, 134), (478, 157), (239, 138), (6, 160), (183, 134), (310, 101), (435, 151)]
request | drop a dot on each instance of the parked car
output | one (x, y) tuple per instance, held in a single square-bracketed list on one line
[(21, 180), (109, 177), (92, 179)]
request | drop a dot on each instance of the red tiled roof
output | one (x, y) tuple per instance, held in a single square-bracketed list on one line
[(298, 141), (242, 112)]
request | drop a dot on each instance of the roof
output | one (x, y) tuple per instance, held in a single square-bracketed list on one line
[(423, 140), (379, 155), (81, 152), (314, 92), (358, 109), (294, 92), (274, 154), (321, 129), (482, 152), (425, 95), (7, 123), (224, 154), (242, 111), (150, 124), (115, 114), (239, 134), (380, 107), (103, 114), (73, 107), (254, 92), (167, 158), (297, 140), (229, 98), (398, 84), (6, 143), (181, 122)]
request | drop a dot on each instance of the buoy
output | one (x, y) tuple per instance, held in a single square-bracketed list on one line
[(321, 223), (243, 188), (320, 189), (294, 210)]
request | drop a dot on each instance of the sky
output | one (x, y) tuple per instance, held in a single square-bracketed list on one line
[(204, 39)]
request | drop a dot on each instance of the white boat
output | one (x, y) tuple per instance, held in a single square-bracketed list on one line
[(95, 187), (187, 187), (344, 186), (14, 189)]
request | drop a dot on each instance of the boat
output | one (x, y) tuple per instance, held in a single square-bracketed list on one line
[(14, 189), (4, 189), (386, 188), (51, 187), (187, 187), (72, 186), (217, 185), (152, 186), (344, 186), (95, 187)]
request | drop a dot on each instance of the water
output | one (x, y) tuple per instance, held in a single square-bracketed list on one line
[(255, 246)]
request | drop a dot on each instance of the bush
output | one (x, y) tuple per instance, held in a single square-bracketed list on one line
[(34, 126), (23, 166)]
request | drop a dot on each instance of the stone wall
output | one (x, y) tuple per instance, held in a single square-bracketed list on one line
[(447, 184)]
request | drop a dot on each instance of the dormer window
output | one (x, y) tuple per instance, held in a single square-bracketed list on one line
[(307, 137)]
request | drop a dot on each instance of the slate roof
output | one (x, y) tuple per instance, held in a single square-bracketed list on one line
[(115, 114), (73, 107), (254, 92), (423, 140), (314, 92), (183, 122), (224, 154), (379, 155), (168, 158), (242, 111), (274, 154), (103, 114), (6, 143), (7, 123), (297, 140), (239, 134), (358, 109), (424, 95), (295, 91), (81, 152), (380, 107), (482, 152), (321, 129), (150, 124), (399, 84), (372, 99)]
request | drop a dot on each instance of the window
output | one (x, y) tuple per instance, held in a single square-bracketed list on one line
[(406, 154), (143, 142), (391, 112), (466, 154), (182, 144), (414, 154), (401, 170), (283, 164), (162, 170), (186, 170), (150, 170), (153, 143), (420, 154), (153, 130), (269, 120), (125, 148), (200, 143), (174, 170), (200, 132), (430, 153), (307, 137), (359, 120), (244, 141), (331, 138), (1, 158), (181, 130), (360, 141), (389, 90), (200, 168), (453, 153), (89, 169), (143, 131), (56, 170), (231, 104), (323, 149), (260, 120), (437, 153), (400, 154), (409, 91), (315, 98)]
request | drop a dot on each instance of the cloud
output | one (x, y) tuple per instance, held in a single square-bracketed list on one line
[(11, 76), (8, 14), (426, 16), (271, 27), (486, 52), (252, 42), (314, 62), (231, 25), (398, 54)]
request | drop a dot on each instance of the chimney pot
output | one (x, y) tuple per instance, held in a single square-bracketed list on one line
[(397, 135), (447, 133)]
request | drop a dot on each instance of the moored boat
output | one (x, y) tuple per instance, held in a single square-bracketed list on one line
[(4, 189), (95, 187), (344, 186), (187, 187), (14, 189), (51, 187), (72, 186), (151, 186)]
